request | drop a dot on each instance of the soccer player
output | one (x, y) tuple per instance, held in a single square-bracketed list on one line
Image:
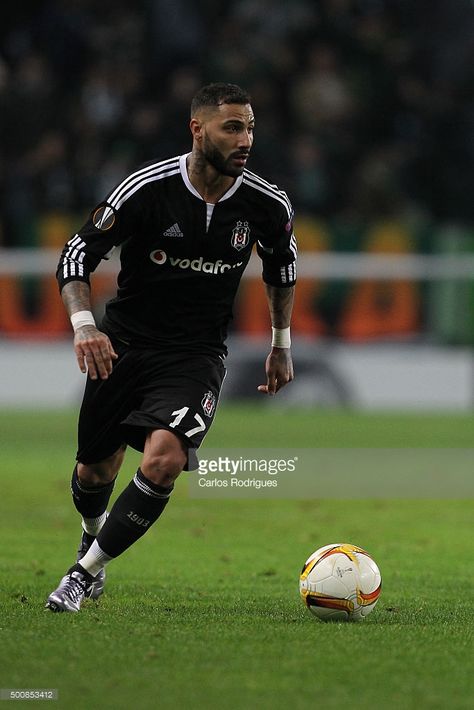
[(186, 227)]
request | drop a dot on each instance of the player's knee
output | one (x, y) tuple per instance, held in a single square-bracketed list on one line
[(163, 468), (163, 465), (103, 472), (95, 474), (164, 457)]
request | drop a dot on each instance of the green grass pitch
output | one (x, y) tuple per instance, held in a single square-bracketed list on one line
[(204, 611)]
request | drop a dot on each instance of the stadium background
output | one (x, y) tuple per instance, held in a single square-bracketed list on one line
[(364, 115)]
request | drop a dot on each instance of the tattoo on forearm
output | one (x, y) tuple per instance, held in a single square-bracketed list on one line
[(76, 296), (280, 302)]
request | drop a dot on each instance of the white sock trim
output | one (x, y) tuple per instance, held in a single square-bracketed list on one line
[(92, 526), (94, 560)]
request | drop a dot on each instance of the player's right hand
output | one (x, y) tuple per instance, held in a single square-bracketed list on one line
[(94, 352)]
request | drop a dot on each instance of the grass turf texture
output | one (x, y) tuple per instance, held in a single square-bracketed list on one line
[(204, 611)]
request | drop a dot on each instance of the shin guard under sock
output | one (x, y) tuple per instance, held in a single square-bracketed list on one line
[(90, 501), (132, 514)]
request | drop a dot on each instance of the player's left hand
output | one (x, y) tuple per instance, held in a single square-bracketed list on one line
[(279, 369)]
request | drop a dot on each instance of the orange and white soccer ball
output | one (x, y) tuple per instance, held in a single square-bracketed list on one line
[(340, 582)]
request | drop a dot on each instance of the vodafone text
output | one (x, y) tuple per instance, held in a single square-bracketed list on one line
[(158, 256)]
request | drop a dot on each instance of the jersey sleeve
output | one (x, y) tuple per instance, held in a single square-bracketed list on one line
[(278, 253), (108, 226)]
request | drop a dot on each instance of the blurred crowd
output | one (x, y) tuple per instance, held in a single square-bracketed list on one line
[(363, 107)]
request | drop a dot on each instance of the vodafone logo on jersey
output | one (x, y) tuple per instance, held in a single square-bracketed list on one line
[(160, 257)]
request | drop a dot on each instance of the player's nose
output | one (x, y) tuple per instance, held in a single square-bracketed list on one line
[(245, 140)]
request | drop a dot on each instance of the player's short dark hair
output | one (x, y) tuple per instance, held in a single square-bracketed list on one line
[(217, 94)]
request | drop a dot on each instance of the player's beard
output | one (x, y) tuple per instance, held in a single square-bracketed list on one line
[(223, 165)]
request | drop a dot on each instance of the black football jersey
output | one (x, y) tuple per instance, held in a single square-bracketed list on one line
[(181, 258)]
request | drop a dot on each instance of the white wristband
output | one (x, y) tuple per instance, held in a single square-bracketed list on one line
[(281, 337), (81, 318)]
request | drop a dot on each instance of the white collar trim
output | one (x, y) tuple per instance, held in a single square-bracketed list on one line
[(184, 174)]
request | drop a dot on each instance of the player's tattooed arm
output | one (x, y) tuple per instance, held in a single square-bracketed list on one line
[(279, 364), (94, 351), (280, 303), (76, 297)]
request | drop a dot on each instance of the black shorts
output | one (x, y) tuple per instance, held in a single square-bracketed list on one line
[(147, 390)]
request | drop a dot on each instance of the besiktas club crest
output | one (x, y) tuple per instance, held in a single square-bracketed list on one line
[(208, 404), (240, 235)]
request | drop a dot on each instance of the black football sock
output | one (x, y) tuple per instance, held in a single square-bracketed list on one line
[(90, 501), (133, 513)]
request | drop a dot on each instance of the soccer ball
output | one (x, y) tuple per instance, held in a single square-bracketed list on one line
[(340, 582)]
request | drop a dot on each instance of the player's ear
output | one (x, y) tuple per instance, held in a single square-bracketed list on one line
[(196, 128)]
